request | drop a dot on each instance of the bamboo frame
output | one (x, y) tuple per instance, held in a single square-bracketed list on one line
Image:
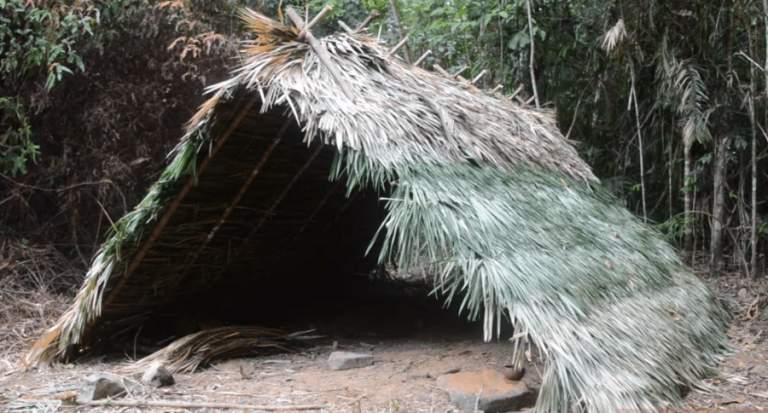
[(175, 204), (243, 189), (278, 201)]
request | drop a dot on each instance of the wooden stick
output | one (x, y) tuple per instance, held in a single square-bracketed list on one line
[(345, 27), (174, 205), (322, 54), (398, 46), (320, 16), (458, 72), (441, 70), (528, 102), (496, 89), (371, 17), (518, 90), (191, 405), (478, 77), (424, 56)]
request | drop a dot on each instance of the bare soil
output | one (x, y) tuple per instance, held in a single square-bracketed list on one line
[(402, 378)]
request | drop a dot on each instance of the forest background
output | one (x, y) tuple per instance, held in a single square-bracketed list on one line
[(667, 100)]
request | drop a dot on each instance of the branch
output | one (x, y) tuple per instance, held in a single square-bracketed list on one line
[(193, 405)]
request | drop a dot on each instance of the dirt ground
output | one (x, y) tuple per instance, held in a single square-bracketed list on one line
[(402, 378)]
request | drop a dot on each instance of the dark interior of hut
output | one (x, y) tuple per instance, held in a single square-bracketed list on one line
[(293, 252)]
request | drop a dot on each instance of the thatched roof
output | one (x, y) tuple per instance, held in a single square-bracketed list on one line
[(487, 193)]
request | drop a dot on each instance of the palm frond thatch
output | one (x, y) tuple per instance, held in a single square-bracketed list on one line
[(199, 349), (488, 193)]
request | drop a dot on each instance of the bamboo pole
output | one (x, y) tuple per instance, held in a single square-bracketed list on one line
[(441, 70), (229, 209), (320, 16), (398, 46), (496, 89), (423, 57), (322, 54), (175, 204), (516, 92), (371, 17), (460, 71), (478, 77), (345, 27)]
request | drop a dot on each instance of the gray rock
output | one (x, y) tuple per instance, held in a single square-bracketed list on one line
[(742, 294), (486, 390), (344, 360), (105, 385), (158, 376)]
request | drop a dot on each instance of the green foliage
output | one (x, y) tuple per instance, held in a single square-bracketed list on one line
[(41, 37), (35, 39), (16, 146)]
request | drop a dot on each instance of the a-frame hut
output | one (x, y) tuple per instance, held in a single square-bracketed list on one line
[(487, 193)]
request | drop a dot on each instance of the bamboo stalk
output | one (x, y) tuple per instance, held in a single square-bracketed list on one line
[(424, 56), (229, 209), (175, 204), (322, 54), (345, 27), (320, 16), (478, 77), (460, 71), (441, 70), (398, 46), (516, 92), (371, 17)]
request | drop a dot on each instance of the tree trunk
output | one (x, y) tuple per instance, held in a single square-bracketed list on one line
[(396, 15), (533, 54), (639, 140), (718, 207), (688, 190)]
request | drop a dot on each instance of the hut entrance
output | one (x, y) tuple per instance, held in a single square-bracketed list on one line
[(267, 239)]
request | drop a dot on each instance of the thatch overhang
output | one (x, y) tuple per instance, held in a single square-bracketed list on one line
[(489, 194)]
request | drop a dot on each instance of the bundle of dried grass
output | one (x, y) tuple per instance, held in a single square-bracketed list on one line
[(200, 349)]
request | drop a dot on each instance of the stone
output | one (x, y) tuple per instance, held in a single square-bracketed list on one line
[(742, 294), (486, 390), (105, 385), (344, 360), (157, 376)]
